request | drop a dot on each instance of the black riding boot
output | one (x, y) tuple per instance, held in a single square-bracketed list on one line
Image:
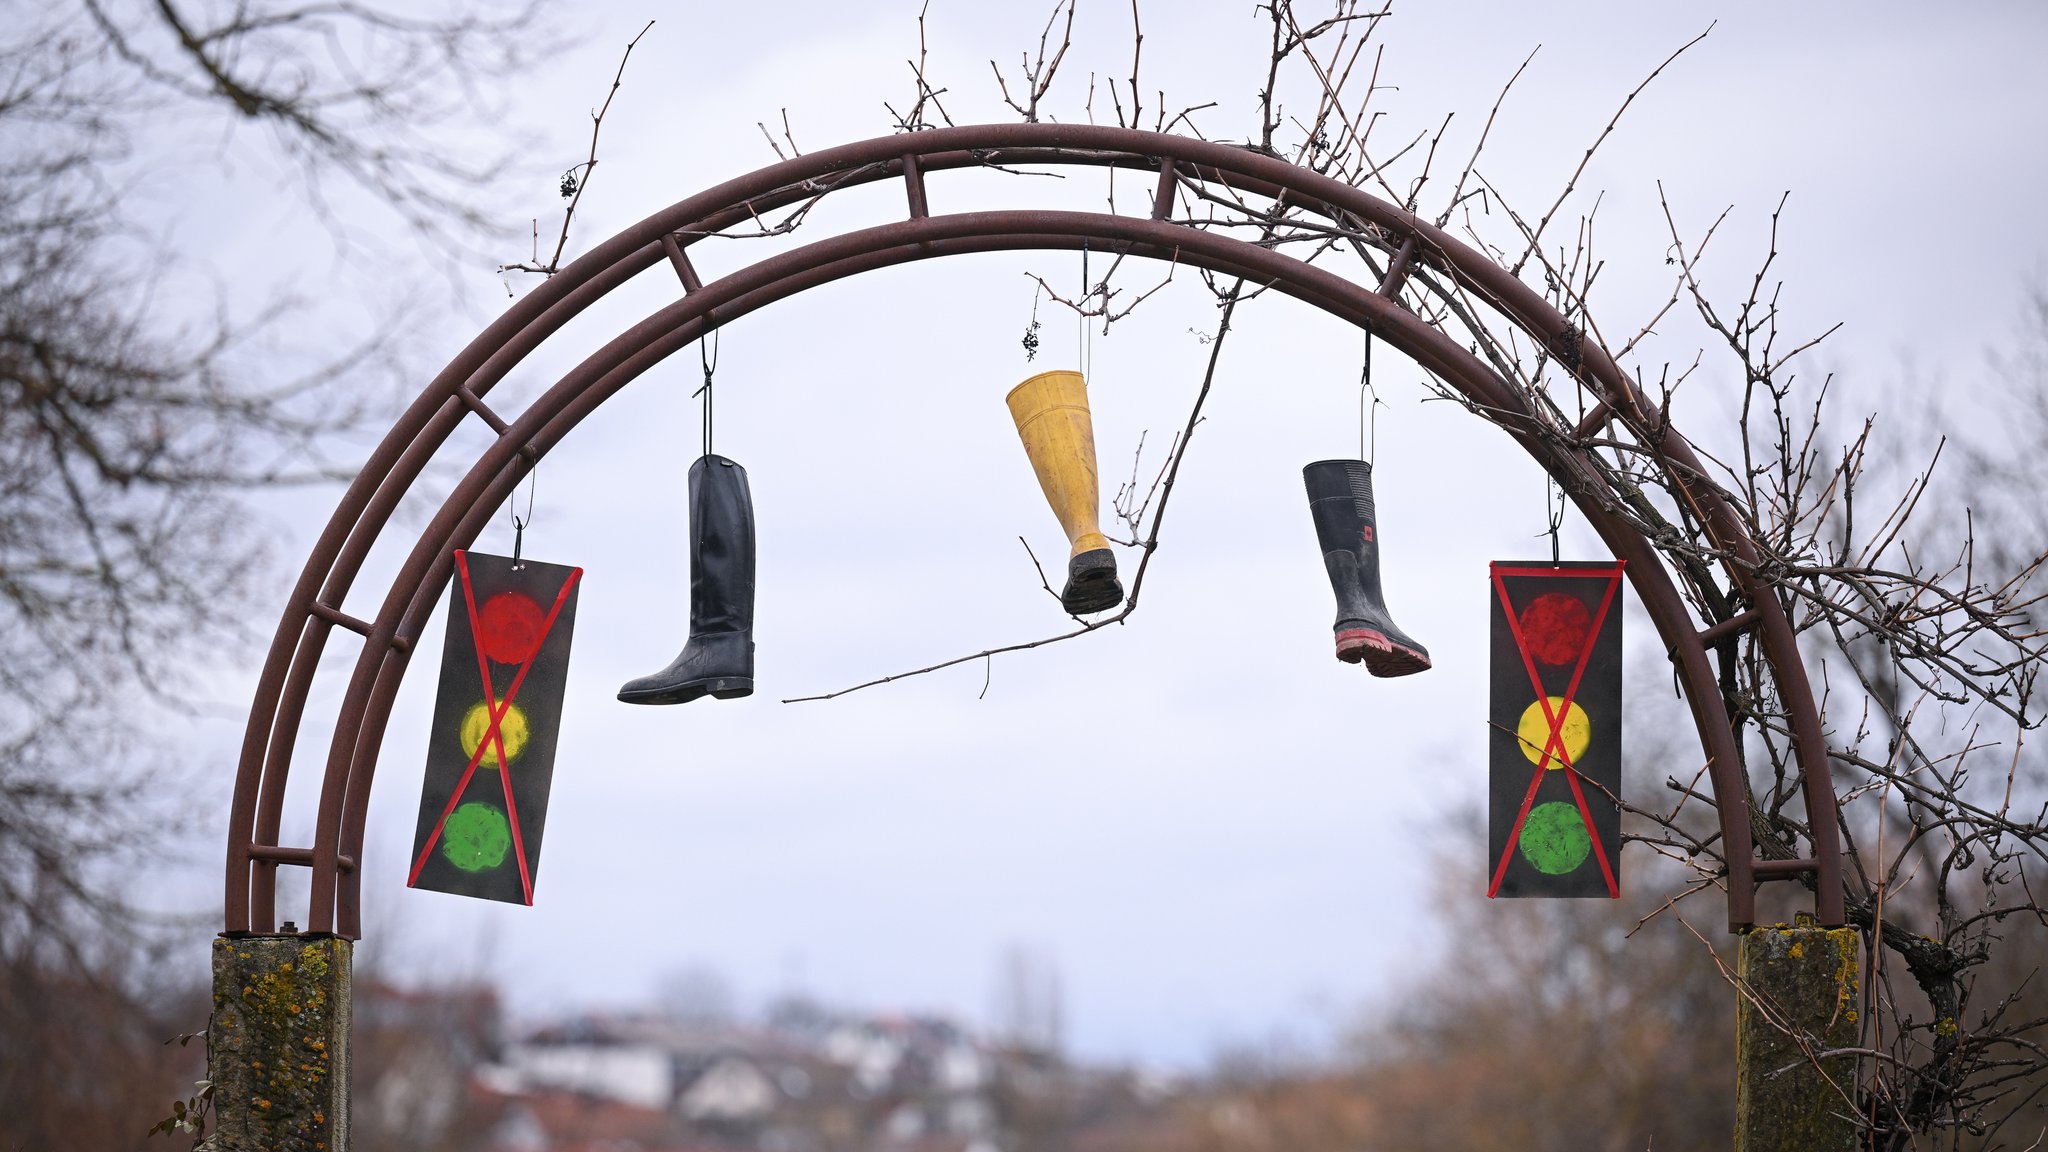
[(1340, 500), (719, 657)]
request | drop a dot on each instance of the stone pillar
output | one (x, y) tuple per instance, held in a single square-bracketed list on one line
[(1798, 998), (278, 1043)]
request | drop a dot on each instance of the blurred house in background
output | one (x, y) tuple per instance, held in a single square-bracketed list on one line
[(444, 1072)]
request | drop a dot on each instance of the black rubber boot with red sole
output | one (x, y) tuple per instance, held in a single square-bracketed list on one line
[(1340, 501)]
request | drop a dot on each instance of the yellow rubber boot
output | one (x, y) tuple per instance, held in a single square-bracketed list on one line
[(1051, 411)]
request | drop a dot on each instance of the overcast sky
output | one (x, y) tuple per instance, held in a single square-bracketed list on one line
[(1216, 830)]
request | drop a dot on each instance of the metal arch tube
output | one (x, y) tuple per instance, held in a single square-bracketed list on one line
[(628, 253), (346, 559), (1530, 311), (621, 370), (1534, 314), (361, 515), (268, 736), (672, 327)]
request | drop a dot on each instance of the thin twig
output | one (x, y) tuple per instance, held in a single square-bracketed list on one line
[(571, 184)]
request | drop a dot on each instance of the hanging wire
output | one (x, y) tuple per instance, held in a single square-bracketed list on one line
[(710, 362), (520, 523), (1369, 404), (1083, 345), (1553, 513)]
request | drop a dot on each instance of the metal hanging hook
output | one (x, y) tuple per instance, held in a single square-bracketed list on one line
[(1081, 342), (1368, 406), (710, 362), (519, 523), (1553, 513)]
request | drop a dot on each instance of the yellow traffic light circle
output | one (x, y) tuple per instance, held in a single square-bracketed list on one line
[(1534, 733), (512, 731)]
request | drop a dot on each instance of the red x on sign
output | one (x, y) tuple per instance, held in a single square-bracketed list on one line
[(469, 827), (1555, 720)]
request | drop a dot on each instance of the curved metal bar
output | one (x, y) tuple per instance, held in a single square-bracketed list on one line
[(338, 555), (392, 469), (626, 363), (412, 595)]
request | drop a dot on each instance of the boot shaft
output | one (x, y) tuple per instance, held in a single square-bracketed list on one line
[(1058, 431), (718, 658), (1340, 502), (721, 547), (1347, 529)]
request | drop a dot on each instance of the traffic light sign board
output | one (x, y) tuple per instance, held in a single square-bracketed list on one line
[(1554, 730), (497, 721)]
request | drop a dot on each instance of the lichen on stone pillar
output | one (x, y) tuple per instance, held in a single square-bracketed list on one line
[(278, 1043), (1798, 999)]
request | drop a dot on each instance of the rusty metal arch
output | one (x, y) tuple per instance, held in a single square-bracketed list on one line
[(460, 390)]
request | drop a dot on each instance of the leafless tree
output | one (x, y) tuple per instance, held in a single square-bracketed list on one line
[(131, 436)]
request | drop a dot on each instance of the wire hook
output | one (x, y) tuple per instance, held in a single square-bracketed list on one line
[(1083, 346), (1368, 412), (710, 362), (519, 523), (1553, 514)]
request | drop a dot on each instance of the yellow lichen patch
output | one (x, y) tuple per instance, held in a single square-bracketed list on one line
[(1846, 943)]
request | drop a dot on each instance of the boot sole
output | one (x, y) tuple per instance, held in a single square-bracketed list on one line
[(1381, 656), (1092, 585), (717, 687), (1092, 592)]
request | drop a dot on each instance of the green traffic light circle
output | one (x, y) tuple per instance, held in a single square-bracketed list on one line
[(476, 837), (1554, 838)]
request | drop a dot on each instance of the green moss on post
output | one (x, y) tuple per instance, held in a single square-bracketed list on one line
[(279, 1044), (1798, 999)]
